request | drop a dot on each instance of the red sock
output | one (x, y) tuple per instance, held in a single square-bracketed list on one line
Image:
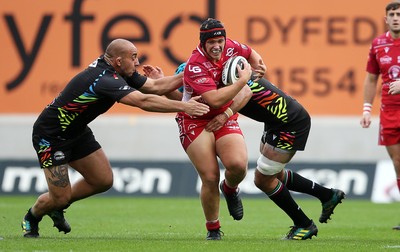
[(398, 183), (228, 190), (212, 225)]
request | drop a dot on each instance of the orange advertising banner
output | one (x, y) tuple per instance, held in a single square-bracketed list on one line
[(314, 50)]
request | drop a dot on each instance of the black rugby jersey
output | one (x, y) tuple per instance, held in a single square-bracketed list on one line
[(276, 109), (89, 94)]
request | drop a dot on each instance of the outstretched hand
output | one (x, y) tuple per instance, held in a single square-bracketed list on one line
[(153, 72), (195, 108), (260, 70)]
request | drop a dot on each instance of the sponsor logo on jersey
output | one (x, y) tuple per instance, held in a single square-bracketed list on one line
[(229, 52), (126, 87), (386, 59), (93, 64), (201, 80), (59, 155), (394, 72), (208, 64), (381, 41)]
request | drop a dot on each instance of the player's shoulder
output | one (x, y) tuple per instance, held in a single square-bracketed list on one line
[(196, 61), (230, 43), (110, 78), (382, 40), (236, 46)]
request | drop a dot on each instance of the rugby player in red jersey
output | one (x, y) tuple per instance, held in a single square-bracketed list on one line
[(202, 76), (384, 60)]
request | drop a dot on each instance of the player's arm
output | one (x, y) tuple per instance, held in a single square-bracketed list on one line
[(370, 83), (163, 85), (218, 97), (239, 101), (175, 95), (257, 63), (156, 73), (155, 103)]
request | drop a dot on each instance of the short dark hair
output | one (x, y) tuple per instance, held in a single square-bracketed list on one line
[(211, 28), (392, 6)]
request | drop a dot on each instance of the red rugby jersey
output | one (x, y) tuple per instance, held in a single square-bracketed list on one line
[(202, 75), (384, 59)]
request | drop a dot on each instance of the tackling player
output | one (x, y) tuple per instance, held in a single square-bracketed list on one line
[(286, 128), (62, 138)]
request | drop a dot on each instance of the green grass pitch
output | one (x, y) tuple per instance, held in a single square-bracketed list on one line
[(177, 224)]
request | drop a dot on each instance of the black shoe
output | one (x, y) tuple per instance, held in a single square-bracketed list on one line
[(214, 234), (234, 202), (30, 226), (396, 228), (329, 206), (59, 221), (301, 233)]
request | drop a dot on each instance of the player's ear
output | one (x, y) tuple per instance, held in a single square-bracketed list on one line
[(118, 61)]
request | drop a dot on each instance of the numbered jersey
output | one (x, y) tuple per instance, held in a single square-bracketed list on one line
[(384, 59), (202, 75)]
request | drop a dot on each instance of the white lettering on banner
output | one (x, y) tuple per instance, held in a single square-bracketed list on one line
[(246, 186), (384, 189), (143, 181), (26, 177), (344, 179), (150, 175), (126, 180), (354, 181)]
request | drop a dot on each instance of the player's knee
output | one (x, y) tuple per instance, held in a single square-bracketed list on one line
[(267, 166), (264, 182), (210, 177), (237, 167), (108, 183), (105, 183)]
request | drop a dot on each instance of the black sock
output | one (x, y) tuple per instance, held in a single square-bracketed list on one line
[(282, 198), (296, 182), (31, 217)]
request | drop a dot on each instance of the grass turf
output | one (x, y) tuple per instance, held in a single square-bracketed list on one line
[(177, 224)]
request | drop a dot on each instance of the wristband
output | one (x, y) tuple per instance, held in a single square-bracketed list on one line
[(367, 108), (228, 112)]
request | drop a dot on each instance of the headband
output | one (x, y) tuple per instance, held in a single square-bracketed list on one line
[(211, 33)]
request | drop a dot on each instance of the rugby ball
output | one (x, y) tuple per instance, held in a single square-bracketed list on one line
[(230, 73)]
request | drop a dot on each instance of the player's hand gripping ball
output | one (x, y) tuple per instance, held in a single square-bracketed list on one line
[(230, 73)]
